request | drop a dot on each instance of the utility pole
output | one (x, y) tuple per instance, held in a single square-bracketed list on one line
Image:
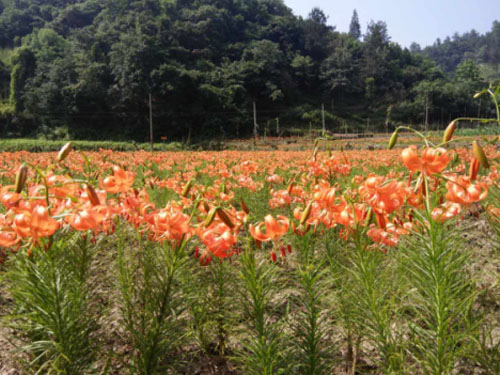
[(151, 122), (427, 112), (255, 126), (323, 117)]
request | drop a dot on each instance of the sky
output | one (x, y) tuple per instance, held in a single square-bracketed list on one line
[(421, 21)]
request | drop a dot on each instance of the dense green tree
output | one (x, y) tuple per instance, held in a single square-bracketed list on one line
[(341, 70), (448, 54), (4, 81), (376, 54), (88, 67), (354, 26), (23, 68)]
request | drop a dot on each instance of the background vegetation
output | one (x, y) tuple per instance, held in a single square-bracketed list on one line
[(84, 69)]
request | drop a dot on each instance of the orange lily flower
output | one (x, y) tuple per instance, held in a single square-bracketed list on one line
[(36, 224), (89, 218), (462, 190), (171, 223), (279, 198), (446, 211), (274, 179), (326, 198), (42, 224), (275, 228), (348, 217), (9, 198), (384, 197), (219, 240), (390, 235), (433, 160), (119, 182), (8, 236)]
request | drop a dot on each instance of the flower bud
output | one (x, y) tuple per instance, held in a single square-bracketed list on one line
[(224, 217), (64, 152), (473, 168), (206, 206), (393, 140), (306, 214), (480, 155), (223, 188), (187, 188), (244, 207), (448, 133), (369, 216), (210, 217), (92, 195), (21, 177)]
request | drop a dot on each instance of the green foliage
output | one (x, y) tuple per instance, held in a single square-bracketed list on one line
[(441, 299), (53, 299), (220, 280), (263, 349), (354, 26), (23, 68), (451, 52), (367, 294), (148, 277), (90, 66), (34, 145), (6, 109), (312, 352)]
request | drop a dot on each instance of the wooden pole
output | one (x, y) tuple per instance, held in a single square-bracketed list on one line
[(323, 117), (255, 126), (427, 112), (151, 122)]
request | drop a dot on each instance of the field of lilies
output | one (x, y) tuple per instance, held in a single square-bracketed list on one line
[(326, 261)]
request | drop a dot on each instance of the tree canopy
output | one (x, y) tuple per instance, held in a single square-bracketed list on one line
[(88, 66)]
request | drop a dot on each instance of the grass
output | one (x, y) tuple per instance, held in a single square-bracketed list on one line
[(483, 130), (35, 145)]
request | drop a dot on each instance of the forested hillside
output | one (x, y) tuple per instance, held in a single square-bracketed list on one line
[(85, 69)]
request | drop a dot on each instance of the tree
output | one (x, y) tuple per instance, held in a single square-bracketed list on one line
[(261, 62), (4, 81), (340, 71), (317, 35), (415, 47), (468, 71), (376, 54), (23, 68), (355, 27)]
